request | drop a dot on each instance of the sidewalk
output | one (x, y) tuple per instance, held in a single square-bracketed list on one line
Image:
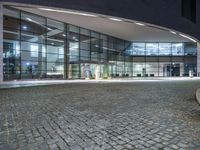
[(28, 83)]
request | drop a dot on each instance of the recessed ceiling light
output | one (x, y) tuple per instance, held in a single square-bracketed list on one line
[(115, 19), (24, 27), (187, 37), (69, 12), (140, 24), (173, 32), (64, 35)]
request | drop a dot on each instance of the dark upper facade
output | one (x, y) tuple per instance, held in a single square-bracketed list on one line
[(165, 13)]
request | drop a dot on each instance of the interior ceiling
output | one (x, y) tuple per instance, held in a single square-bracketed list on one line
[(120, 29)]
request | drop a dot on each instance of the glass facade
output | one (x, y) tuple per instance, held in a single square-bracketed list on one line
[(163, 59), (38, 47)]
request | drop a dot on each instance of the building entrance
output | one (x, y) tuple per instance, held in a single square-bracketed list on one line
[(94, 71), (175, 70)]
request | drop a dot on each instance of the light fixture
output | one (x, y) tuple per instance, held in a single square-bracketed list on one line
[(24, 27), (69, 12), (115, 19), (140, 24), (64, 35), (49, 28), (74, 38), (29, 19), (52, 43), (172, 32), (187, 37)]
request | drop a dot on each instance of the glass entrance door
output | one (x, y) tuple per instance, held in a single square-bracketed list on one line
[(175, 70)]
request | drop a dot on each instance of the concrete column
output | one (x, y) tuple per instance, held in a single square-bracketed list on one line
[(198, 59), (181, 69), (1, 42)]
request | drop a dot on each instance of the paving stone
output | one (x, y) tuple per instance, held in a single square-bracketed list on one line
[(143, 115)]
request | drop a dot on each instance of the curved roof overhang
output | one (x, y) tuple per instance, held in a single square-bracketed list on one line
[(119, 27)]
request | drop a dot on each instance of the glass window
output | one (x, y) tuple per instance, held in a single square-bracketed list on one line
[(177, 49), (151, 69), (73, 51), (120, 45), (55, 49), (34, 50), (74, 29), (11, 19), (11, 24), (190, 68), (33, 28), (84, 55), (53, 25), (73, 36), (151, 49), (11, 59), (95, 35), (104, 37), (85, 38), (110, 42), (84, 32), (85, 46), (139, 69), (138, 49), (190, 49), (165, 69), (74, 71), (165, 49)]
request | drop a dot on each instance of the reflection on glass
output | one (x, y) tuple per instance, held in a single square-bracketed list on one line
[(151, 49), (55, 49), (190, 49), (138, 49), (32, 28), (38, 47), (151, 69), (177, 49), (165, 49), (139, 70)]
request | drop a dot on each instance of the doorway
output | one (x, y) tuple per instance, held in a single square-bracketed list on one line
[(175, 70)]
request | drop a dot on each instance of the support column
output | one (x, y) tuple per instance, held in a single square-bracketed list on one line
[(1, 42), (198, 59)]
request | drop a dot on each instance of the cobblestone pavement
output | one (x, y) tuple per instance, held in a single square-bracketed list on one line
[(134, 116)]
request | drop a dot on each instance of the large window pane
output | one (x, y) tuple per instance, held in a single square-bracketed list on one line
[(11, 19), (177, 49), (55, 49), (139, 69), (151, 49), (165, 49), (190, 49), (73, 51), (164, 69), (84, 55), (138, 49), (33, 28), (11, 44), (151, 69)]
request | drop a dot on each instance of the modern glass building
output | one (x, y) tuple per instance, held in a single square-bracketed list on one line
[(37, 47)]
